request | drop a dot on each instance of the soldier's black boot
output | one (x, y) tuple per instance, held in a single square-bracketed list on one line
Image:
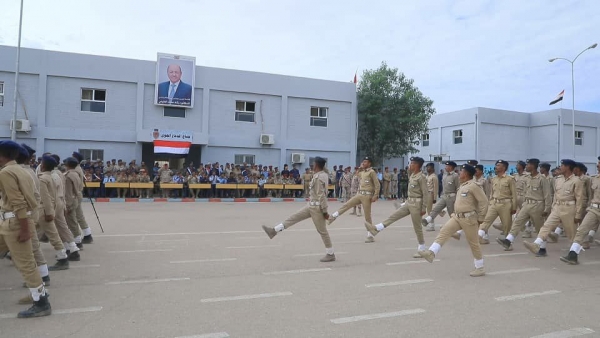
[(74, 256), (39, 309), (570, 258), (61, 264), (87, 239)]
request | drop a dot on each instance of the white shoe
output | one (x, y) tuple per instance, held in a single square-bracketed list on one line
[(430, 227)]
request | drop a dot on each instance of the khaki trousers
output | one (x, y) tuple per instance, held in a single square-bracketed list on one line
[(71, 218), (394, 188), (358, 199), (412, 208), (468, 226), (49, 229), (318, 219), (498, 209), (21, 253), (345, 193), (429, 206), (529, 211), (590, 222), (446, 201), (386, 189), (61, 223), (35, 241), (306, 189), (561, 214), (79, 215)]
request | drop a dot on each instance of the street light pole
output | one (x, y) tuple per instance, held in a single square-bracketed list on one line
[(13, 133), (573, 87)]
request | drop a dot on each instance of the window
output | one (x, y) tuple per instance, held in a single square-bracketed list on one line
[(318, 116), (244, 158), (245, 111), (1, 93), (92, 154), (578, 137), (93, 100), (457, 136), (173, 112), (425, 140)]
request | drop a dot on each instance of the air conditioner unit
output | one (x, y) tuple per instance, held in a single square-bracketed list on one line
[(267, 139), (298, 158), (20, 125)]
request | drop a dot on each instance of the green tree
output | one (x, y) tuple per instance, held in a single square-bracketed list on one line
[(392, 114)]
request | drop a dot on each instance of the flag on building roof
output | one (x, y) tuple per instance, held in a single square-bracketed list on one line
[(558, 98), (355, 78)]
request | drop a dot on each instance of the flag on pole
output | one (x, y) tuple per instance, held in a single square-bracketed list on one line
[(355, 78), (558, 98)]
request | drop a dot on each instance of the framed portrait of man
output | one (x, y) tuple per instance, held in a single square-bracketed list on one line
[(175, 80)]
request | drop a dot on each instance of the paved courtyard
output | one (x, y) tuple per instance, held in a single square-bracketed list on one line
[(208, 270)]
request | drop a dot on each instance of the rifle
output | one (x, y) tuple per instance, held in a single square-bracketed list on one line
[(93, 206)]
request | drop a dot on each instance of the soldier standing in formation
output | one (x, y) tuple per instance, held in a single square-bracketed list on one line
[(394, 184), (387, 180), (450, 183), (418, 198), (315, 209)]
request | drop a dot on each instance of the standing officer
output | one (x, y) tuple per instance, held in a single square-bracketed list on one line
[(346, 183), (85, 228), (432, 186), (387, 180), (306, 177), (394, 184), (450, 183), (589, 225), (17, 228), (368, 191), (354, 190), (503, 202), (315, 209), (470, 209), (418, 199), (567, 209), (536, 203)]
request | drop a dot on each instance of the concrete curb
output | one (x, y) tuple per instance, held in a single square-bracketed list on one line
[(212, 200)]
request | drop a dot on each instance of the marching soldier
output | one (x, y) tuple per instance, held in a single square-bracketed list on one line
[(450, 183), (394, 184), (503, 202), (567, 209), (432, 186), (315, 209), (17, 228), (73, 190), (387, 180), (536, 203), (367, 192), (85, 228), (418, 198), (480, 180), (469, 211), (589, 225), (354, 190)]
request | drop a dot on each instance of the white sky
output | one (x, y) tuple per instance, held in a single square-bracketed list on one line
[(461, 54)]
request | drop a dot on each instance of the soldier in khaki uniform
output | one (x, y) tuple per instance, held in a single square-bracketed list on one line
[(470, 210), (306, 177), (481, 181), (367, 192), (536, 203), (346, 183), (503, 202), (316, 209), (450, 184), (85, 229), (164, 176), (418, 198), (354, 190), (589, 224), (17, 228), (72, 192), (567, 209), (394, 184), (387, 180), (432, 186)]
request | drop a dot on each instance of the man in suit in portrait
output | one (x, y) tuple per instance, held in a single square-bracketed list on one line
[(174, 91)]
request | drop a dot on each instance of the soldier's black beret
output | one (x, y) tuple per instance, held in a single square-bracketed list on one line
[(50, 160), (468, 168), (479, 166), (71, 161), (533, 161), (545, 165), (78, 156), (503, 162), (472, 162), (23, 153), (367, 158), (568, 162), (9, 145), (320, 161), (521, 163), (580, 166), (30, 150), (430, 164), (451, 163), (417, 159)]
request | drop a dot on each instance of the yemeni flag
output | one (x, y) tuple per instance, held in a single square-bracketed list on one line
[(558, 98), (172, 148)]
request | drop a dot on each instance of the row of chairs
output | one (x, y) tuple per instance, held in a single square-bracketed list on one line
[(124, 185)]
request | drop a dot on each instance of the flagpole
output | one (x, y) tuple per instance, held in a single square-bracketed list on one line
[(13, 132)]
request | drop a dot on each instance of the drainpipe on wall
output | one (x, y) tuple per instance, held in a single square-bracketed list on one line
[(558, 127), (476, 137)]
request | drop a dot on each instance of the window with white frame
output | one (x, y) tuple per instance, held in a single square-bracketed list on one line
[(425, 140), (318, 116), (1, 93), (457, 135), (244, 158), (92, 154), (93, 100), (578, 137), (245, 111), (173, 112)]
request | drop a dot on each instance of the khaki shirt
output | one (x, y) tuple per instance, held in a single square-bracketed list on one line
[(470, 197), (520, 183), (395, 178), (537, 188), (16, 190), (36, 181), (433, 184), (346, 180), (72, 188), (318, 190), (417, 188), (484, 184), (450, 183), (306, 179), (369, 181), (164, 175), (551, 181), (570, 189), (594, 191), (59, 183), (587, 183), (146, 179), (503, 187), (387, 177), (79, 172), (47, 193)]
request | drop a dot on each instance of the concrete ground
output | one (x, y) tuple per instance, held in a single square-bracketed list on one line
[(208, 270)]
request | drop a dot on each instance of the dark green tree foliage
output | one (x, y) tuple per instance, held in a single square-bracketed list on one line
[(392, 114)]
